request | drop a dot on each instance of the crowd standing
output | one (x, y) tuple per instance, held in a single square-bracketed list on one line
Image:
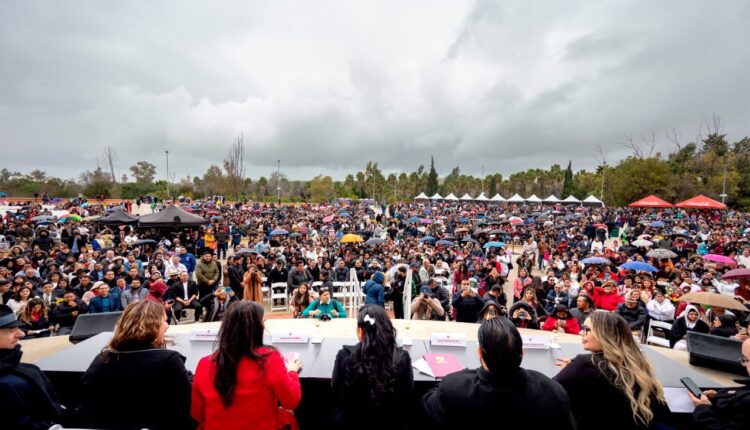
[(571, 265)]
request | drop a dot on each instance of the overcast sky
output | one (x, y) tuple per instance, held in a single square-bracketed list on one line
[(325, 86)]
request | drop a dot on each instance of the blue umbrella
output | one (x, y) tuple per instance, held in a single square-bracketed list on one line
[(639, 266), (595, 260), (657, 224), (428, 239), (279, 232), (3, 195), (428, 211), (412, 220), (444, 242), (44, 223), (345, 214), (463, 220), (493, 245)]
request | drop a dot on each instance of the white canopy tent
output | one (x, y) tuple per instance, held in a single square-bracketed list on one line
[(451, 197), (571, 199), (467, 197), (591, 200), (516, 199), (534, 199), (497, 198), (436, 197), (551, 199), (482, 198), (421, 196)]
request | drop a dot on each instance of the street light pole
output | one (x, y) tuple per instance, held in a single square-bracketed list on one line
[(278, 180), (724, 182), (167, 154), (482, 178)]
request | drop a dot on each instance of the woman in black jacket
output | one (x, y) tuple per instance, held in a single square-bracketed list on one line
[(135, 366), (372, 381), (690, 321), (614, 387)]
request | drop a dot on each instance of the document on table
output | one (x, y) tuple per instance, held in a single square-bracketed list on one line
[(423, 367), (678, 400)]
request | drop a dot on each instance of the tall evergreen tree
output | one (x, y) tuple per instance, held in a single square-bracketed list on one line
[(568, 181), (432, 178)]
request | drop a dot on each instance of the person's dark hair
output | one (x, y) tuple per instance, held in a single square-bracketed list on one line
[(589, 300), (240, 335), (501, 345), (375, 366)]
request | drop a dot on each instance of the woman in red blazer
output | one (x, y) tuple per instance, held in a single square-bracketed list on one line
[(241, 385)]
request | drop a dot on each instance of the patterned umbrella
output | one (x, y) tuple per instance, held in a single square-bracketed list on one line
[(660, 253)]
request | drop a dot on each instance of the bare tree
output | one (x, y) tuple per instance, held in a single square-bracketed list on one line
[(643, 148), (234, 165), (675, 137), (110, 159)]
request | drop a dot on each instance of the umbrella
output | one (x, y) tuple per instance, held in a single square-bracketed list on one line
[(461, 230), (645, 236), (329, 218), (63, 215), (595, 260), (468, 239), (42, 217), (3, 195), (480, 231), (350, 238), (425, 221), (243, 252), (713, 299), (295, 234), (493, 245), (444, 242), (736, 274), (463, 220), (44, 223), (428, 239), (345, 214), (143, 242), (279, 232), (75, 217), (716, 258), (412, 220), (642, 242), (639, 266), (375, 241), (657, 224), (215, 218), (56, 200), (661, 253), (92, 218), (515, 220)]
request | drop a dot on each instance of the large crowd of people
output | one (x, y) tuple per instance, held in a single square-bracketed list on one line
[(605, 273)]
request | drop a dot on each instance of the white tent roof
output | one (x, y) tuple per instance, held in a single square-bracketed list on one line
[(571, 199), (516, 199), (421, 196), (497, 198), (593, 200), (534, 199), (436, 197), (552, 199), (467, 197), (482, 198), (451, 197)]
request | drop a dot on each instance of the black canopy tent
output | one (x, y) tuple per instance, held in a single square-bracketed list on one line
[(117, 218), (171, 216)]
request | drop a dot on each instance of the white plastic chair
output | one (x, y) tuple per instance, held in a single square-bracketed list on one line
[(279, 295), (663, 328)]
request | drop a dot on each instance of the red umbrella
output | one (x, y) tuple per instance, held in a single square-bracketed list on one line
[(737, 274)]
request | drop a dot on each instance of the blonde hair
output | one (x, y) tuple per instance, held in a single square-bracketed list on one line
[(625, 366), (141, 322)]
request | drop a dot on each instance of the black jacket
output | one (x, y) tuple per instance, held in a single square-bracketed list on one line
[(27, 398), (729, 410), (679, 330), (636, 317), (353, 407), (479, 399), (177, 290), (595, 402), (129, 375), (62, 313)]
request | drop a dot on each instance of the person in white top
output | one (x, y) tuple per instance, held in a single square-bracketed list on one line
[(504, 260), (597, 246), (175, 264), (659, 308), (130, 238), (744, 258)]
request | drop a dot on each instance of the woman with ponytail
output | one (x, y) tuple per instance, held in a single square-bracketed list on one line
[(373, 380), (614, 387)]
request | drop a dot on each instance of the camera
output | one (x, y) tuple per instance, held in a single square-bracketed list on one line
[(325, 317)]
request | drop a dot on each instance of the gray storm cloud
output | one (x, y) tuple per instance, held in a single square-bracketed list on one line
[(325, 87)]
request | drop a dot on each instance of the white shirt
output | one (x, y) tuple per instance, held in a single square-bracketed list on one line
[(663, 311)]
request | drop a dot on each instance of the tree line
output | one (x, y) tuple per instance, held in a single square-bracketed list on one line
[(705, 164)]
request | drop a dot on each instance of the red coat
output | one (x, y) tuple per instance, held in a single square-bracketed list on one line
[(571, 325), (256, 398), (608, 302)]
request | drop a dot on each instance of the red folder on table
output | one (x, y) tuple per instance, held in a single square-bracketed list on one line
[(443, 364)]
